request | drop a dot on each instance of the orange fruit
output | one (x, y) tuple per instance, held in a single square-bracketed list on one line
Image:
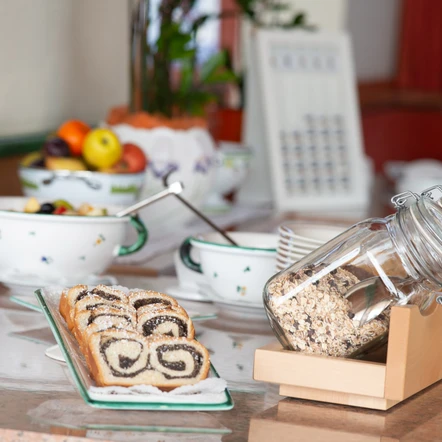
[(74, 132)]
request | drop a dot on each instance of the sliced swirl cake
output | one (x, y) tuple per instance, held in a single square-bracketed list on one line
[(146, 298), (75, 294), (126, 358), (143, 337), (103, 317), (165, 321)]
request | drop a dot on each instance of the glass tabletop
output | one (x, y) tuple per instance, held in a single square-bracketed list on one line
[(37, 396), (43, 398)]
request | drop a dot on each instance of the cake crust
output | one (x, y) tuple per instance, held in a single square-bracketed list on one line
[(143, 337)]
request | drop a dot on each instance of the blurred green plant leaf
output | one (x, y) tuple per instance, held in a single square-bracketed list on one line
[(200, 99), (186, 78), (222, 76), (174, 44), (247, 7), (200, 22), (278, 7), (212, 64), (299, 20)]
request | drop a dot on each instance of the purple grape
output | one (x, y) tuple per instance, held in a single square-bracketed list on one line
[(47, 208), (56, 147), (40, 162)]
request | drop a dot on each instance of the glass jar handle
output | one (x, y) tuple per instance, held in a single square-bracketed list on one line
[(400, 199)]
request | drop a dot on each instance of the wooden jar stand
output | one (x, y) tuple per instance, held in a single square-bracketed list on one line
[(414, 362)]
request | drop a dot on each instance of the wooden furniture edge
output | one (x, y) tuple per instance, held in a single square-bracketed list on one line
[(414, 362), (337, 397), (414, 357), (276, 365)]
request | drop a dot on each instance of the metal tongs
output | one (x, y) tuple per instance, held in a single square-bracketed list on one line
[(173, 189), (198, 213)]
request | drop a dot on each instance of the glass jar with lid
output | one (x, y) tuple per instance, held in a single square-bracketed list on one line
[(337, 300)]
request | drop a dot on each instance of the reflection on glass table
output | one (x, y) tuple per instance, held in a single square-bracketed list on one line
[(416, 419), (72, 413), (36, 395), (232, 343)]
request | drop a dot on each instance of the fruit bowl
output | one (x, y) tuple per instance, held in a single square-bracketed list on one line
[(81, 164), (82, 186), (61, 249)]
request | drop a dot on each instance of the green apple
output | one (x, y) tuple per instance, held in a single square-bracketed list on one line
[(101, 148)]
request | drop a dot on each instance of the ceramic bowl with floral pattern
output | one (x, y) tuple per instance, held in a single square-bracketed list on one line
[(82, 186), (61, 249), (235, 274)]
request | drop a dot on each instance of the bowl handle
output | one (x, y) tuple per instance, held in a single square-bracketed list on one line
[(141, 239), (185, 249)]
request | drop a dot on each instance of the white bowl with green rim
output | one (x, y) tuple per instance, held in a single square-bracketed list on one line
[(235, 274), (58, 248), (82, 186)]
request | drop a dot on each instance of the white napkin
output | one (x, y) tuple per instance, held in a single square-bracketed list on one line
[(210, 390)]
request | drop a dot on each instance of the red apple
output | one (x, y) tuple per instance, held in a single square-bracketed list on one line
[(134, 157), (133, 160)]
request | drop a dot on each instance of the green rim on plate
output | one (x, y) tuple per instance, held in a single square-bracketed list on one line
[(69, 348)]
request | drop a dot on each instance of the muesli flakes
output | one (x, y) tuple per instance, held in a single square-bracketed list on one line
[(318, 319)]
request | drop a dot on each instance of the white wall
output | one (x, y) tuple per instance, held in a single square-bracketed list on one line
[(328, 15), (100, 49), (61, 59), (35, 64), (69, 58), (374, 26)]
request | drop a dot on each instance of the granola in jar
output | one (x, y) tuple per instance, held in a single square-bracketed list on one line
[(315, 316)]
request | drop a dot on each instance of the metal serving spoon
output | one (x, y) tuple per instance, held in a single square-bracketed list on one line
[(201, 215), (369, 298), (174, 188)]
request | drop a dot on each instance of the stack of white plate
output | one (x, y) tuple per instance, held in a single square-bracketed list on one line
[(297, 240)]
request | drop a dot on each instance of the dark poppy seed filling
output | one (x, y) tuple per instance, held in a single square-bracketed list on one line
[(100, 293), (180, 365), (102, 304), (107, 296), (92, 317), (124, 362), (82, 295), (148, 301), (151, 324)]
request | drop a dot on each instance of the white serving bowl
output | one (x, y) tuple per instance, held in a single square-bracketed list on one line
[(82, 186), (232, 164), (310, 233), (188, 279), (296, 249), (284, 262), (235, 274), (291, 258), (290, 242), (187, 155), (60, 249), (284, 254)]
